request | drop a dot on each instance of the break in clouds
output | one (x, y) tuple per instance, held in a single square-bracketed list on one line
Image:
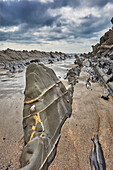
[(62, 25)]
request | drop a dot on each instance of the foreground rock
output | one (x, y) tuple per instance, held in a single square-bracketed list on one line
[(47, 106)]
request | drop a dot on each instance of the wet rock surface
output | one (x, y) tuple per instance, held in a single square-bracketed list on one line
[(47, 105)]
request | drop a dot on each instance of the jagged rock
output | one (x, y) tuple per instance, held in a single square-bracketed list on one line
[(35, 61), (62, 57), (78, 61), (13, 55), (109, 71), (20, 57), (72, 75), (106, 43), (107, 38), (50, 61), (52, 55)]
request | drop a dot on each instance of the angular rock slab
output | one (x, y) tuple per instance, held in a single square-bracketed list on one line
[(47, 105)]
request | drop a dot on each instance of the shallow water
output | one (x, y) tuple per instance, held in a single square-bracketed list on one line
[(62, 67), (11, 83)]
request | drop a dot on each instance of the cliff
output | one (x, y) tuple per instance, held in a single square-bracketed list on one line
[(105, 46)]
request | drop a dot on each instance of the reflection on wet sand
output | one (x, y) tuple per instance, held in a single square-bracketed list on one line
[(15, 82)]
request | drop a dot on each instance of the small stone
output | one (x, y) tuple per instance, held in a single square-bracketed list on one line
[(67, 101), (33, 108)]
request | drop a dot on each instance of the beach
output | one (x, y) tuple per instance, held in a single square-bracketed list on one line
[(91, 115)]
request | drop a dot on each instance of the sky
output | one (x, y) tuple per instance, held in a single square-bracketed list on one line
[(70, 26)]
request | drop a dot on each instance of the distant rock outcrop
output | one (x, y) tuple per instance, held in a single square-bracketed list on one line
[(105, 47), (12, 58), (13, 55), (107, 38)]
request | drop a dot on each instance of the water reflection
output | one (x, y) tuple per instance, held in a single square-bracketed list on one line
[(15, 82)]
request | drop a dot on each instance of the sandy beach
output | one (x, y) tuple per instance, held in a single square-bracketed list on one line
[(11, 130)]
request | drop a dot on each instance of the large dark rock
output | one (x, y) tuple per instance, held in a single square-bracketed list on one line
[(107, 38), (95, 48), (78, 61), (104, 48), (47, 106)]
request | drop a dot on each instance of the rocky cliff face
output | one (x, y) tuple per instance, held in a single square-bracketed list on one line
[(105, 47)]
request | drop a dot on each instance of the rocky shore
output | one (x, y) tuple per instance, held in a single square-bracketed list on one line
[(105, 46), (16, 60), (89, 84), (91, 110), (101, 60), (11, 114)]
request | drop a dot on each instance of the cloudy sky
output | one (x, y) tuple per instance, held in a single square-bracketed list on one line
[(53, 25)]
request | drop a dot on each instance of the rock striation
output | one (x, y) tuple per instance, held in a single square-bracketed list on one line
[(11, 59), (47, 105)]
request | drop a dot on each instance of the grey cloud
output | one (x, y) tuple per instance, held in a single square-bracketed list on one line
[(97, 3), (64, 3), (31, 16), (17, 12)]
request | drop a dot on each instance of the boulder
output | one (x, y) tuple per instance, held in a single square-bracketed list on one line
[(47, 105), (107, 38), (78, 61)]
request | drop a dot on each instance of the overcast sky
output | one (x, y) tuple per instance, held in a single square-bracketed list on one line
[(54, 25)]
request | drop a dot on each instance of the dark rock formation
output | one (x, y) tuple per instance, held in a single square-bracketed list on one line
[(47, 106), (35, 61), (95, 48), (9, 58), (105, 47), (96, 156), (107, 38), (78, 61)]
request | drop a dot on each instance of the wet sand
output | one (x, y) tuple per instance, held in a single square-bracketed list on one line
[(11, 130)]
